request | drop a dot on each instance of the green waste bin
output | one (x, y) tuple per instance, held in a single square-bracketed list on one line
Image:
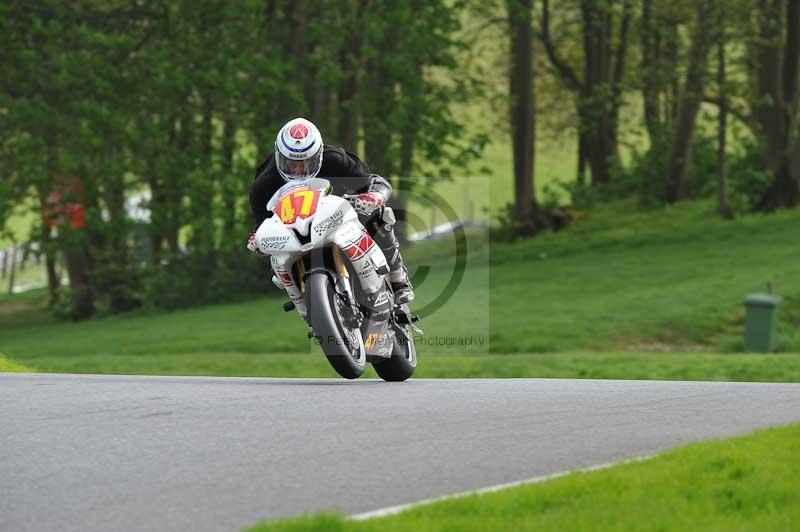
[(761, 322)]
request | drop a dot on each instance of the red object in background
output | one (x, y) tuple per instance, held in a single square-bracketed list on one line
[(64, 206)]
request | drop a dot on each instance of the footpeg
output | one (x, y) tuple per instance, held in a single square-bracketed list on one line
[(288, 306), (408, 319)]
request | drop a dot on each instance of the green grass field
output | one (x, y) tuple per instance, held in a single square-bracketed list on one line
[(623, 294), (744, 483), (670, 279)]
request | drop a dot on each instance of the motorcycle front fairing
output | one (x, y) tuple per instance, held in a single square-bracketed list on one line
[(306, 217)]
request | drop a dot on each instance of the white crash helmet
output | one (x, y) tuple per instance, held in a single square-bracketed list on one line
[(298, 150)]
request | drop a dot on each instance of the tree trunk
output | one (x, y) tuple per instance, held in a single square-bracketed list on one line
[(777, 69), (411, 123), (649, 69), (156, 226), (671, 103), (689, 105), (202, 198), (350, 63), (377, 106), (604, 68), (407, 141), (116, 257), (523, 123), (347, 110), (617, 72), (77, 265), (593, 116), (298, 45), (13, 269), (53, 280), (722, 130), (599, 93), (582, 162), (229, 185), (175, 190)]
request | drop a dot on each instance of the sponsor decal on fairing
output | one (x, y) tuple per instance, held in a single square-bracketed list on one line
[(328, 223), (360, 248), (275, 242)]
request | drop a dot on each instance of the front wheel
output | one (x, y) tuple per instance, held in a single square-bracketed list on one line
[(403, 361), (343, 346)]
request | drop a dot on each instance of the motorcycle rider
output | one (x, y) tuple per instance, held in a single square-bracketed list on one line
[(300, 153)]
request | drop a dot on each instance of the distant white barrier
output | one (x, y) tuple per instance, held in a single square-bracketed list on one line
[(16, 258)]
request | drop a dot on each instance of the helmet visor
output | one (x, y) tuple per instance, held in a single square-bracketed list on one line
[(298, 168)]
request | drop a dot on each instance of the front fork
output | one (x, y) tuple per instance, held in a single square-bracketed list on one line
[(352, 316), (366, 258), (286, 278), (286, 273)]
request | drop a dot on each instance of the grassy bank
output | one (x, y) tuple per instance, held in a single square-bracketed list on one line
[(745, 483), (669, 279), (650, 287)]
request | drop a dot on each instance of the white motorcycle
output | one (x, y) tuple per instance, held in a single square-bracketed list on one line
[(337, 278)]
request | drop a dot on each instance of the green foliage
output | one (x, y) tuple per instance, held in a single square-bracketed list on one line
[(748, 180), (645, 176), (6, 201), (703, 170), (581, 195), (743, 483), (119, 279), (190, 280), (181, 100), (64, 307)]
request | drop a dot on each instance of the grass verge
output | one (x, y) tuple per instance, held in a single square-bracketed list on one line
[(744, 483), (9, 366), (663, 366)]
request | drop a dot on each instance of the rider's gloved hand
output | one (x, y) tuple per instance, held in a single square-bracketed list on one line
[(252, 245), (367, 202)]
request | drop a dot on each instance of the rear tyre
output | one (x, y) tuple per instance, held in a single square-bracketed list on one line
[(343, 347), (404, 355)]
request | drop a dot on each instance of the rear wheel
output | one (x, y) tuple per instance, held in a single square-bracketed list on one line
[(343, 346), (404, 355)]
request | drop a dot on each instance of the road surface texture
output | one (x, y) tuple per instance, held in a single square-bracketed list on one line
[(170, 453)]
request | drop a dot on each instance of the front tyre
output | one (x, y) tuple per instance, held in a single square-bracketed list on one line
[(404, 355), (343, 347)]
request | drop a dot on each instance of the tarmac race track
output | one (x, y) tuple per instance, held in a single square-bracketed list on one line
[(111, 453)]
